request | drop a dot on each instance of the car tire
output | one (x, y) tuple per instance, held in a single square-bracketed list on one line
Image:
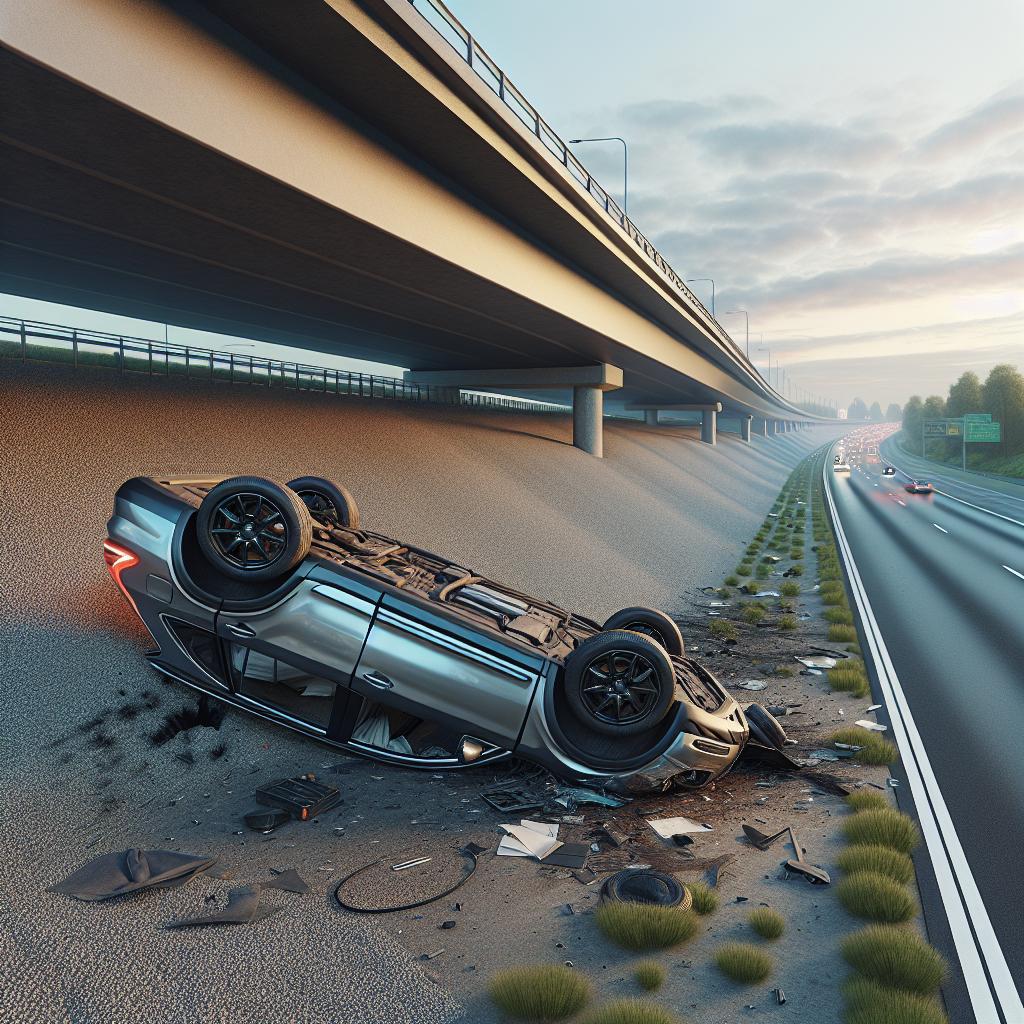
[(253, 529), (619, 683), (764, 727), (329, 503), (651, 622)]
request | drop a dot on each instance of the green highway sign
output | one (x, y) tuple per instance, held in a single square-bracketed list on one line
[(981, 431), (937, 428), (977, 417)]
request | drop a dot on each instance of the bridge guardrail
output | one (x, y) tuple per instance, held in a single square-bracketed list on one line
[(453, 32), (37, 341)]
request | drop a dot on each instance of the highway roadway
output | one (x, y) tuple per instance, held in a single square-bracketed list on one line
[(938, 581)]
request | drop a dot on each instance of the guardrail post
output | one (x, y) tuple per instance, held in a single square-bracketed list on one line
[(231, 368), (120, 353), (74, 346), (24, 343), (149, 356), (211, 366), (188, 364)]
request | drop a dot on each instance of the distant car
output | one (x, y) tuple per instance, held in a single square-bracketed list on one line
[(273, 598), (918, 487), (841, 467), (838, 459), (888, 471)]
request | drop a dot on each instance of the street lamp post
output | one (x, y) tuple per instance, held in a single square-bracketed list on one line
[(695, 280), (625, 164), (765, 348), (731, 312)]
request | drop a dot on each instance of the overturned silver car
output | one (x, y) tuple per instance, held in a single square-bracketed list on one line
[(273, 598)]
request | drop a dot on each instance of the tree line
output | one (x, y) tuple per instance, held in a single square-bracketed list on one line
[(858, 409), (1001, 395)]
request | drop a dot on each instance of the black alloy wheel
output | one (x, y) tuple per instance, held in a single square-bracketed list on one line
[(619, 683), (253, 529), (248, 531)]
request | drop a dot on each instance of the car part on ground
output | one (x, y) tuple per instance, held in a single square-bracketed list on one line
[(470, 854), (764, 727), (399, 654), (646, 886), (115, 874)]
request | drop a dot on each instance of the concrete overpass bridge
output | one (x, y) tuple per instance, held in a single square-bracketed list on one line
[(338, 176)]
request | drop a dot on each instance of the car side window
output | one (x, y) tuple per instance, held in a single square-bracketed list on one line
[(282, 687)]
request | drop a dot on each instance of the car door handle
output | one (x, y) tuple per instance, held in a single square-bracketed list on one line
[(377, 680), (241, 630)]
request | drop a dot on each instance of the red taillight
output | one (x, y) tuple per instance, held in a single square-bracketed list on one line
[(118, 559)]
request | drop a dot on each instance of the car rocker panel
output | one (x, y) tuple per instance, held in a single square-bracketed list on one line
[(284, 608)]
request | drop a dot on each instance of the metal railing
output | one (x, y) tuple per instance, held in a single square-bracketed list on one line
[(35, 341), (453, 32)]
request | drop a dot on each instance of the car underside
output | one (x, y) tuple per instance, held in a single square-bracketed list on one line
[(273, 598)]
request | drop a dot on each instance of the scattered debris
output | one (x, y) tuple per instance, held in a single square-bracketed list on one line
[(872, 726), (818, 661), (645, 886), (243, 908), (288, 880), (752, 684), (667, 828), (410, 863), (267, 821), (529, 839), (114, 874), (302, 797), (571, 796)]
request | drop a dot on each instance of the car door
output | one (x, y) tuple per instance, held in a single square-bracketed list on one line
[(419, 662), (295, 658)]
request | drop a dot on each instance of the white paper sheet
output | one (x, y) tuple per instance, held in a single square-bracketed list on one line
[(668, 827), (529, 839)]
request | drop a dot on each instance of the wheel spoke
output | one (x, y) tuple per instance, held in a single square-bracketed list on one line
[(234, 544), (231, 530), (597, 672)]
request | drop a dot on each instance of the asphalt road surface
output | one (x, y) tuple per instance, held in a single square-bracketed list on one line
[(943, 576)]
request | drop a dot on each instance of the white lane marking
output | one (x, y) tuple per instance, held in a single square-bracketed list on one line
[(937, 527), (1014, 571), (977, 949), (902, 502)]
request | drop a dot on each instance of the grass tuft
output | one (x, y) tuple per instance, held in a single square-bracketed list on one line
[(787, 623), (879, 860), (790, 589), (882, 828), (875, 748), (630, 1011), (895, 958), (768, 923), (867, 800), (752, 613), (640, 926), (842, 634), (723, 628), (732, 581), (849, 679), (869, 1003), (546, 992), (650, 975), (705, 899), (787, 671), (743, 962), (838, 616), (876, 898)]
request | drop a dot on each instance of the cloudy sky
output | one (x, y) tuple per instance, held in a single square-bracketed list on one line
[(851, 174)]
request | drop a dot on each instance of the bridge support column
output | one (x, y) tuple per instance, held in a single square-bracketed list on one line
[(588, 384), (763, 427), (708, 411), (709, 426), (745, 428), (587, 416)]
